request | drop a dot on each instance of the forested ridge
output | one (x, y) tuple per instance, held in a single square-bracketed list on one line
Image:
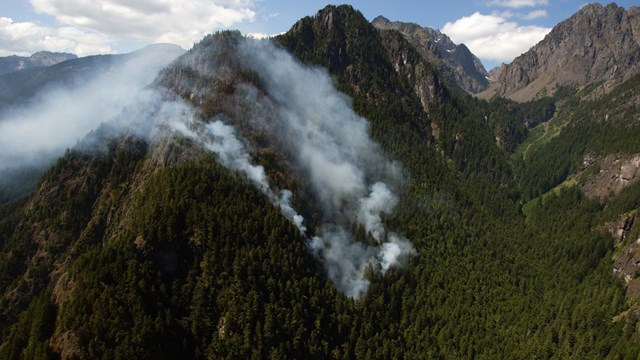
[(139, 249)]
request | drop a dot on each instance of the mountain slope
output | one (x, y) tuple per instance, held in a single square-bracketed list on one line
[(166, 246), (597, 45), (455, 62), (42, 58), (41, 109)]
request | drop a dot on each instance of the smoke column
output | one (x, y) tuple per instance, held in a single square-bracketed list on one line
[(323, 138), (349, 174), (330, 145)]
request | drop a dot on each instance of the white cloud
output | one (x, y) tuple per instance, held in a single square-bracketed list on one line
[(175, 21), (535, 14), (25, 38), (531, 15), (518, 3), (86, 27), (492, 37)]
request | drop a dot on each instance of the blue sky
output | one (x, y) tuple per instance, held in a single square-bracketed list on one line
[(495, 30)]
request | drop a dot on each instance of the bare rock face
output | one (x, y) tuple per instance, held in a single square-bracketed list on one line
[(597, 44), (614, 174), (494, 74), (457, 64), (626, 260), (408, 63)]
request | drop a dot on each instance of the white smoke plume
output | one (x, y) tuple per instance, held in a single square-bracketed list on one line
[(328, 143), (348, 172), (221, 139), (289, 212), (380, 201), (58, 117)]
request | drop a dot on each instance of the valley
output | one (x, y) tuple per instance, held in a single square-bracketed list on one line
[(341, 190)]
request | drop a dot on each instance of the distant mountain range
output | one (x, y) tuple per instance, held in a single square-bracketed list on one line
[(20, 85), (41, 58)]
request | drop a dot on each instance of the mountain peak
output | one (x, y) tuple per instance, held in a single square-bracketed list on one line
[(457, 63), (380, 19), (596, 44)]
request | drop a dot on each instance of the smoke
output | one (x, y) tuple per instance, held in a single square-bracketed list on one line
[(345, 260), (348, 172), (380, 201), (56, 118), (288, 211), (221, 139), (311, 122), (316, 128)]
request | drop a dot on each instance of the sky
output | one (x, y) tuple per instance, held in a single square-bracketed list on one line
[(496, 31)]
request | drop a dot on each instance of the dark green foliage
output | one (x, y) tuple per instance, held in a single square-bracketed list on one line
[(205, 268), (607, 125), (29, 337), (188, 260), (17, 183)]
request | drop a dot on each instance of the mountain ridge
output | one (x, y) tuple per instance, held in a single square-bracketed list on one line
[(598, 44), (456, 62), (41, 58)]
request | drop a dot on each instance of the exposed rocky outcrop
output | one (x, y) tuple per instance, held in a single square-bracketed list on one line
[(626, 259), (494, 74), (598, 44), (609, 175), (408, 63), (457, 64)]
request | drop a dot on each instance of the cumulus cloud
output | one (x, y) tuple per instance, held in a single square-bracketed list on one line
[(26, 38), (173, 21), (87, 27), (535, 14), (493, 37), (518, 3)]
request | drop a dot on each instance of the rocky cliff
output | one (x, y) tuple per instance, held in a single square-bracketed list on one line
[(456, 63), (599, 44)]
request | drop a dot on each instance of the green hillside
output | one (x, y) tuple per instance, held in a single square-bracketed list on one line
[(153, 248)]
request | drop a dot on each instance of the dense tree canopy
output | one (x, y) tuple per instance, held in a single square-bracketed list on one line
[(122, 254)]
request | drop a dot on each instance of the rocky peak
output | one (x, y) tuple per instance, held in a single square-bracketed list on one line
[(458, 65), (341, 39), (47, 58), (597, 44), (324, 36)]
